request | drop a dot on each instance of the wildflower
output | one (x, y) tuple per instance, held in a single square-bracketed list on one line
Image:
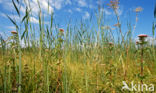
[(142, 38), (110, 43), (61, 30), (13, 32), (142, 42), (138, 9), (142, 35)]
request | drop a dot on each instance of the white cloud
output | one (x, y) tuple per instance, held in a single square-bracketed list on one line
[(82, 3), (43, 4), (120, 11), (57, 4), (68, 2), (106, 11), (86, 16), (11, 27), (91, 6), (69, 10), (2, 34), (34, 20), (78, 9), (14, 17), (2, 14)]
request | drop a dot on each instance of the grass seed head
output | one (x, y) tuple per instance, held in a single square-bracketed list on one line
[(138, 9), (116, 25), (114, 4)]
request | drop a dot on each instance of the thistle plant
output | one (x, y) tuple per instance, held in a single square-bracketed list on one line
[(142, 43), (111, 46), (14, 47)]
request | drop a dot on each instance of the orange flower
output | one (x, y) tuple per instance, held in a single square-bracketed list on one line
[(61, 30), (13, 32)]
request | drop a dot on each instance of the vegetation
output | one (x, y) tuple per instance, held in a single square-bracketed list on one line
[(79, 59)]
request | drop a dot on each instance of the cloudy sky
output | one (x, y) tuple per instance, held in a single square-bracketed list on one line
[(77, 10)]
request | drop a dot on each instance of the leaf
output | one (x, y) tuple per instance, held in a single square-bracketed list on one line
[(23, 34), (51, 23), (26, 15), (153, 29), (17, 1), (16, 7), (12, 21)]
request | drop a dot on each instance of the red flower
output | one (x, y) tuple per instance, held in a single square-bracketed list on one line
[(142, 35), (13, 32), (61, 30), (110, 43)]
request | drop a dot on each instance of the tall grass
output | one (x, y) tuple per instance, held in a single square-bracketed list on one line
[(78, 59)]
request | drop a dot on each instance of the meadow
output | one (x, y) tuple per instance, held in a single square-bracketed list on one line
[(78, 59)]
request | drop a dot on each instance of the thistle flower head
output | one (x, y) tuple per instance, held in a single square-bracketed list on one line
[(61, 30), (14, 32), (110, 43), (142, 37)]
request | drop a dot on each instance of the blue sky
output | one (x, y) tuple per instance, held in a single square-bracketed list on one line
[(78, 10)]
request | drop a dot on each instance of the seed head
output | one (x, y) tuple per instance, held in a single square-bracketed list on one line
[(114, 4), (105, 27), (138, 9), (116, 25)]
